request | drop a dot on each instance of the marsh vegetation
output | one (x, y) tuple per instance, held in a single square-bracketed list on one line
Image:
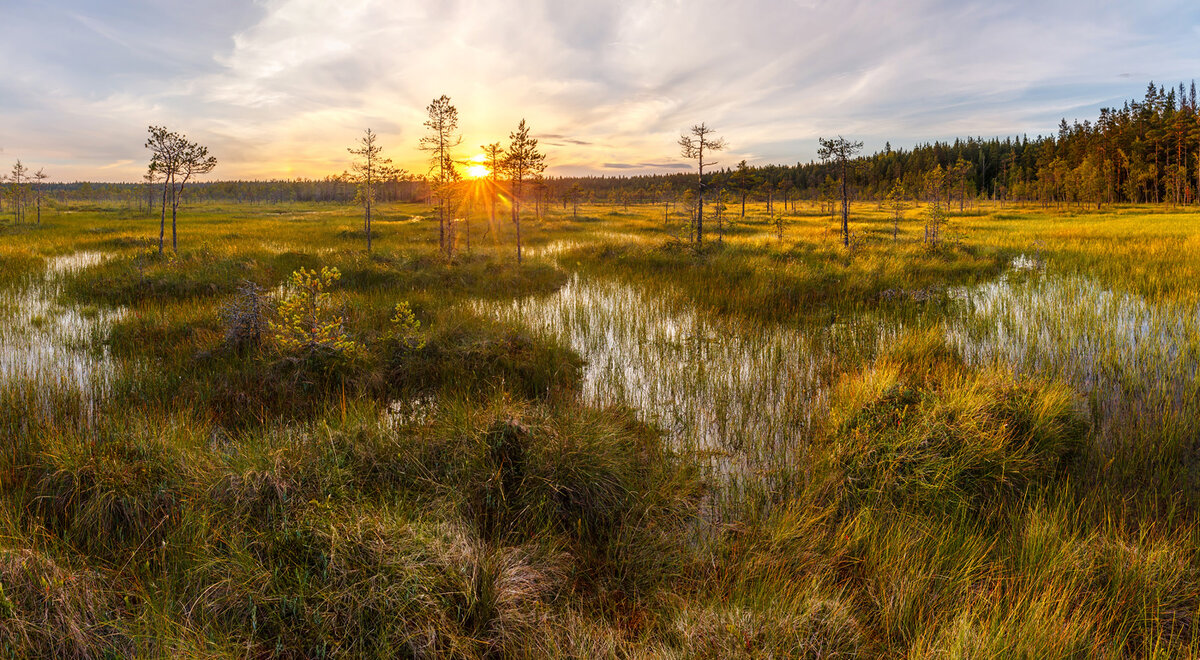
[(625, 446)]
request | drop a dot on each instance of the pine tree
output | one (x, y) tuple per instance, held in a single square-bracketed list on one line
[(443, 136), (177, 160), (369, 170), (522, 163), (840, 152), (694, 146), (494, 154)]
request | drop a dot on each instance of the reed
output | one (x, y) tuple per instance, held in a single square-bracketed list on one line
[(625, 447)]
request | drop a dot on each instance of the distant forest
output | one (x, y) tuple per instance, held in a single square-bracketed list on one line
[(1145, 152)]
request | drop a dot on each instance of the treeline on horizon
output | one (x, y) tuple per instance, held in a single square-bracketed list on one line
[(1147, 151)]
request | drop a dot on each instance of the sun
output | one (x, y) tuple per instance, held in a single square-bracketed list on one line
[(477, 169)]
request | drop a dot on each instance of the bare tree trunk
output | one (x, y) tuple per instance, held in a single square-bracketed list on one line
[(442, 224), (700, 204), (845, 208), (492, 204), (162, 221), (174, 212), (516, 206)]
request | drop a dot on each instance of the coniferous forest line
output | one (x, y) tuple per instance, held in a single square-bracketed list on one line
[(632, 428), (1145, 152)]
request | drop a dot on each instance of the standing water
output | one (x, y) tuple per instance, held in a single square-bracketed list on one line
[(743, 394), (746, 394), (50, 346), (1135, 361)]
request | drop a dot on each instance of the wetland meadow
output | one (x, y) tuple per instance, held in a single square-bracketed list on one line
[(624, 446)]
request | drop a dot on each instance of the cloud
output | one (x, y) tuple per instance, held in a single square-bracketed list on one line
[(561, 140), (281, 87), (647, 166)]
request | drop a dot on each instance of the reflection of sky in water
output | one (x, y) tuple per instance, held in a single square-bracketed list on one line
[(1135, 361), (555, 249), (746, 393), (51, 345)]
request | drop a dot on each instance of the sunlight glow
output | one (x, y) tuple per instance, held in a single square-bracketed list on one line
[(477, 169)]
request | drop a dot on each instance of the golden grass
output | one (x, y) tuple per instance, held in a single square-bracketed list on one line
[(770, 448)]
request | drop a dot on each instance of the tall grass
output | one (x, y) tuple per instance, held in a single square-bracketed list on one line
[(624, 448)]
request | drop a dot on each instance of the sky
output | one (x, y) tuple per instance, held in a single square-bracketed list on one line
[(281, 88)]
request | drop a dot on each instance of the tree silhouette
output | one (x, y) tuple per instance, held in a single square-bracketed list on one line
[(840, 152), (494, 154), (522, 163), (368, 171), (177, 160), (693, 146), (18, 180), (743, 180), (38, 178), (443, 136)]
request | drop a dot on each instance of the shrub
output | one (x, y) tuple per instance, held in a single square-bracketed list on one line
[(306, 323), (405, 328), (245, 318)]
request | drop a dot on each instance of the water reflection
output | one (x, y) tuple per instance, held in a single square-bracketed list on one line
[(50, 345), (1135, 361), (557, 248), (744, 394)]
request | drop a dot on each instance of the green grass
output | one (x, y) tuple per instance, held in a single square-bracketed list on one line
[(624, 447)]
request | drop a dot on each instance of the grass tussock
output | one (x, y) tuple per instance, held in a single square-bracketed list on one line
[(150, 276), (471, 355), (915, 432), (466, 536), (451, 484), (18, 263), (800, 281), (48, 610)]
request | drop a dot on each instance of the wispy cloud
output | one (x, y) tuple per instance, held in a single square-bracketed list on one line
[(647, 166), (280, 87)]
